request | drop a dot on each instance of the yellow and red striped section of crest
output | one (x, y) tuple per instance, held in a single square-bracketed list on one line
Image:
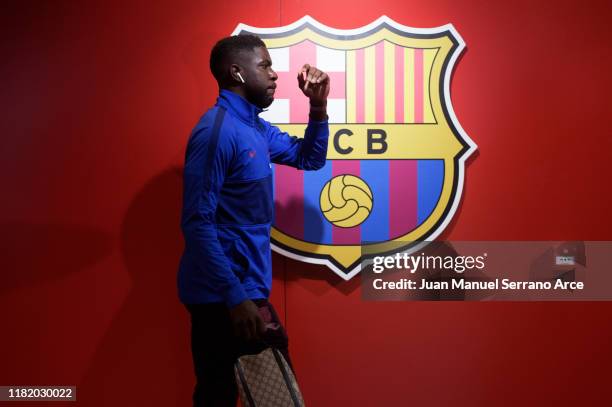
[(388, 83)]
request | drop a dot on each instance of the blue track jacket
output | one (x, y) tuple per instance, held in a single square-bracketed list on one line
[(228, 206)]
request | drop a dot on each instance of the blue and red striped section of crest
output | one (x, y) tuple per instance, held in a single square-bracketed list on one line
[(405, 194)]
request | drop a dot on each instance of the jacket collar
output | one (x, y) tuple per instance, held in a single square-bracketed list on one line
[(242, 108)]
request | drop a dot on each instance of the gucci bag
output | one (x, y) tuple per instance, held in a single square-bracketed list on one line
[(265, 380)]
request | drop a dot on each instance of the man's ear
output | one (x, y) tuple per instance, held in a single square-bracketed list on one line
[(236, 73)]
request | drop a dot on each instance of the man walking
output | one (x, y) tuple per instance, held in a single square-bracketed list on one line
[(225, 274)]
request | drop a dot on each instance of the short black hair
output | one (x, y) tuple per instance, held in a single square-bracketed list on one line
[(225, 51)]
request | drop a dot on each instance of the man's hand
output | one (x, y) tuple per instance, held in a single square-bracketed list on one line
[(247, 322), (314, 84)]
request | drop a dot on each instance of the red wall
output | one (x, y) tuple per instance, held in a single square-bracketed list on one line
[(97, 102)]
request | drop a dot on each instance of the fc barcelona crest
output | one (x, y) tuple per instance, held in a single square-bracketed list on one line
[(396, 160)]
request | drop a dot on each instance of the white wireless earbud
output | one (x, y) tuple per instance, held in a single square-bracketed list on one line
[(240, 76)]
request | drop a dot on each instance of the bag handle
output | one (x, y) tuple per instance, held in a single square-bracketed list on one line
[(245, 387), (281, 365)]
